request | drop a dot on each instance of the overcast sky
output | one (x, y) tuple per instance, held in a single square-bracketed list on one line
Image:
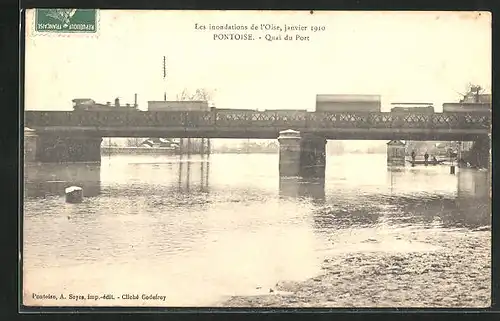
[(402, 56)]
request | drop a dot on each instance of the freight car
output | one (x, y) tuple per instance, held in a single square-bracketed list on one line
[(466, 113), (467, 108), (187, 105), (348, 103), (420, 108), (412, 114)]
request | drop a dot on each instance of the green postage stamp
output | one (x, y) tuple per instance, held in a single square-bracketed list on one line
[(66, 20)]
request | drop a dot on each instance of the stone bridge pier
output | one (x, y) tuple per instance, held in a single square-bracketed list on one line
[(52, 148), (301, 155)]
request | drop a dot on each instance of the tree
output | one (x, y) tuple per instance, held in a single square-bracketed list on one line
[(199, 94), (203, 94), (473, 92)]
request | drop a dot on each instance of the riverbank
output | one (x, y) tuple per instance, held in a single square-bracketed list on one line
[(138, 150), (456, 273)]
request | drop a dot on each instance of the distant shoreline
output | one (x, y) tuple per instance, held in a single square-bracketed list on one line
[(109, 150), (174, 151)]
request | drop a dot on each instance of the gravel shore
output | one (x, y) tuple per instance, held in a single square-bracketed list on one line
[(456, 274)]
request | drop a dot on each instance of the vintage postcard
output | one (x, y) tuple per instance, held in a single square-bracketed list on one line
[(256, 159)]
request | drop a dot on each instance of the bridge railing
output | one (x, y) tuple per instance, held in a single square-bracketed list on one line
[(338, 120), (240, 119), (369, 120), (284, 119), (48, 118), (169, 119), (255, 119), (473, 121), (262, 119)]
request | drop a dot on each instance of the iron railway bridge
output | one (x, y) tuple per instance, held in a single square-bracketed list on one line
[(262, 124)]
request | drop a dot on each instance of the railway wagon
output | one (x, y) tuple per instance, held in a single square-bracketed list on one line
[(420, 108), (178, 105), (191, 113), (232, 110), (412, 114), (466, 114), (348, 103), (466, 108), (348, 110)]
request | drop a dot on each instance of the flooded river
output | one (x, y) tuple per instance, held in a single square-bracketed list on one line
[(227, 231)]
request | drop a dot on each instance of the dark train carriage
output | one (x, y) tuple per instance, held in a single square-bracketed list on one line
[(347, 109), (412, 114), (416, 110)]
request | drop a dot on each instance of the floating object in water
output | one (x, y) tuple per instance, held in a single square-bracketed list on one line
[(74, 194)]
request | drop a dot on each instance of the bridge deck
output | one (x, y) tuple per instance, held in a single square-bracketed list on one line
[(254, 124)]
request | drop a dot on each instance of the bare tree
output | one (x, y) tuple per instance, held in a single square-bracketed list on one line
[(474, 88), (199, 94), (473, 92), (202, 94), (184, 95)]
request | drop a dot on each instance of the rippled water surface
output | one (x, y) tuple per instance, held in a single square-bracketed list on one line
[(200, 231)]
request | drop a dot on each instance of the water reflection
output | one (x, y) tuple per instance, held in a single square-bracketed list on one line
[(313, 188), (473, 198), (472, 183), (120, 177), (410, 197), (193, 172), (51, 179), (245, 230), (406, 196), (157, 184), (430, 197)]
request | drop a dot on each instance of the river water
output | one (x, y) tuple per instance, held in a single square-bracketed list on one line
[(226, 231)]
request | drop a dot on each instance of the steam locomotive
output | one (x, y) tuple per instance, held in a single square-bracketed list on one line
[(87, 104)]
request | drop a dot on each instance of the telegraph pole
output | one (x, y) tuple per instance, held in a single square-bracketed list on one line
[(164, 78)]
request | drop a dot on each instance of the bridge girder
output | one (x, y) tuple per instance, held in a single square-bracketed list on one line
[(266, 125)]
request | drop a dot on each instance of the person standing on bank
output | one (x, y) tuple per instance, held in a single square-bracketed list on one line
[(413, 155), (426, 157)]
